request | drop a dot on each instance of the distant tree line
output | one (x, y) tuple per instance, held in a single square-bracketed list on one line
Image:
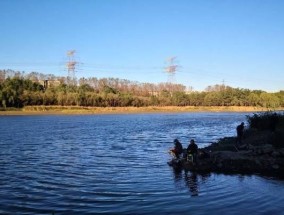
[(18, 89)]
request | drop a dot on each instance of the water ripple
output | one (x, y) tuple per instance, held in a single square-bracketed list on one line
[(116, 164)]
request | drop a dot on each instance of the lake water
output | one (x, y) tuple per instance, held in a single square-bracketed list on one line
[(117, 164)]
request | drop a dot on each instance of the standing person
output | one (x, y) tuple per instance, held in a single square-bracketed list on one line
[(273, 122), (178, 149), (240, 133), (192, 150)]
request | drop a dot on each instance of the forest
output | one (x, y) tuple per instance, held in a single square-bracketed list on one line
[(18, 89)]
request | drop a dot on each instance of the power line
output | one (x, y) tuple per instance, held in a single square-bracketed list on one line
[(172, 69)]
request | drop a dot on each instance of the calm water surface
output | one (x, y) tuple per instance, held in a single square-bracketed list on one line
[(117, 164)]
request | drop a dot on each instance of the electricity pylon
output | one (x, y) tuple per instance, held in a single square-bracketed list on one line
[(71, 67), (171, 69)]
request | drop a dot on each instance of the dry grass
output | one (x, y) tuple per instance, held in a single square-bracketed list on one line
[(77, 110)]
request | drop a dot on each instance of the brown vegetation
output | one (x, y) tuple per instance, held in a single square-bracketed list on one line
[(46, 110)]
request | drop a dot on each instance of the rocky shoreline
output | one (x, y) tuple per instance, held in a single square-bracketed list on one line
[(243, 162), (258, 160), (261, 152)]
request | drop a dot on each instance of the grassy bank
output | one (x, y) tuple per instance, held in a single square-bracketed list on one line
[(49, 110)]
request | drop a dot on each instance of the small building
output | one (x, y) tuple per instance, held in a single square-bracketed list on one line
[(49, 83)]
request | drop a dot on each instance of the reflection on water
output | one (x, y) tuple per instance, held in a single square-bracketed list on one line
[(192, 180)]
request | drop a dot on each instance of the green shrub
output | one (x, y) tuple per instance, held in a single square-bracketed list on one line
[(266, 121)]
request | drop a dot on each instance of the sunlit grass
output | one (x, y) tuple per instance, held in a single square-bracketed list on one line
[(112, 110)]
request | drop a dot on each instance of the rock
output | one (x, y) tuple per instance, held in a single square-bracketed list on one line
[(275, 154), (267, 148), (263, 149), (281, 152)]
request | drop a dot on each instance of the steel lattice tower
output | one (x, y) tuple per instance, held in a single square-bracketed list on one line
[(71, 66), (171, 69)]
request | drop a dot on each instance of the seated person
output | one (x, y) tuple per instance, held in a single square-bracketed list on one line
[(177, 150), (192, 150)]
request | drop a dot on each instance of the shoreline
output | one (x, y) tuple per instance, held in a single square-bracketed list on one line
[(260, 152), (79, 110)]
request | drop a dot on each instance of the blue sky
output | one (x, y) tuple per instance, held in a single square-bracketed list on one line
[(238, 42)]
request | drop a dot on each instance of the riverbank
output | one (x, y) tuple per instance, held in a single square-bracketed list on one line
[(79, 110), (258, 155), (261, 151)]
